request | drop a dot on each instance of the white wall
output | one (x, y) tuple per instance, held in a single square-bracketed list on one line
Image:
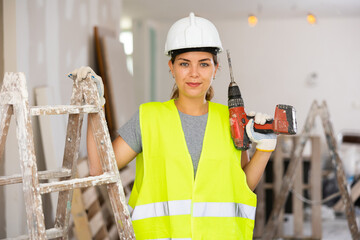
[(273, 61), (51, 39)]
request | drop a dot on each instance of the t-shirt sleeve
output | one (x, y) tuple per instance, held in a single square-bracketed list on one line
[(131, 133)]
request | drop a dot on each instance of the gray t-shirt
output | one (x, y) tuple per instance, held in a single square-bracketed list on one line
[(193, 127)]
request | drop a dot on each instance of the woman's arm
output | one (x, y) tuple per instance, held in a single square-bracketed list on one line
[(265, 145), (255, 168), (123, 153)]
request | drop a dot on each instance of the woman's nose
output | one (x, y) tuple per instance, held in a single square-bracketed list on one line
[(194, 71)]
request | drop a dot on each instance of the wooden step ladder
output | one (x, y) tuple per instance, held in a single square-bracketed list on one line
[(289, 178), (84, 100)]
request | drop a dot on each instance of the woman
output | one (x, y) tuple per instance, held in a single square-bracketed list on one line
[(191, 182)]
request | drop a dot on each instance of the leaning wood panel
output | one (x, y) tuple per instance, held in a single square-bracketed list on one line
[(82, 228), (99, 33)]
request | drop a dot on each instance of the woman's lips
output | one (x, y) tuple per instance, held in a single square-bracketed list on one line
[(193, 84)]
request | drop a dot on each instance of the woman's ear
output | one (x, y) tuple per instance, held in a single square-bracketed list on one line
[(216, 68), (171, 66)]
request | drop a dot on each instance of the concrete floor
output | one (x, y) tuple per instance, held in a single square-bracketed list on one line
[(336, 229), (333, 228)]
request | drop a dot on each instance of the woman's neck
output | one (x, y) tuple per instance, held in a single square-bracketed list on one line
[(194, 107)]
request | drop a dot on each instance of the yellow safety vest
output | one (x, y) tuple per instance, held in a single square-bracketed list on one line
[(168, 202)]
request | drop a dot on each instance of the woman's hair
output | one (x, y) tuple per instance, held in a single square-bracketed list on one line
[(175, 90)]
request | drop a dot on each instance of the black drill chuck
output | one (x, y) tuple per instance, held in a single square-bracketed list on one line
[(234, 96)]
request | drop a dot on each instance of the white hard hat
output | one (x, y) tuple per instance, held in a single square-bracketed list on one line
[(192, 32)]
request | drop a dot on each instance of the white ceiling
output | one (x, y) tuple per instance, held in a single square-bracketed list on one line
[(237, 9)]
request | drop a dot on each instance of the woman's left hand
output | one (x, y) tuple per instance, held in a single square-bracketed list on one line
[(264, 142)]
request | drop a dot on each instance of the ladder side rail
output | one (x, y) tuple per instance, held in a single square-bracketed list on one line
[(340, 174), (5, 117), (108, 163), (71, 152), (288, 180), (32, 196)]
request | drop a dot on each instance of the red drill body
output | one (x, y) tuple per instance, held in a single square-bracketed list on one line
[(284, 120)]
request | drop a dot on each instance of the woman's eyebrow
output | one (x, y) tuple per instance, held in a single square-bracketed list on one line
[(201, 60), (184, 59), (205, 59)]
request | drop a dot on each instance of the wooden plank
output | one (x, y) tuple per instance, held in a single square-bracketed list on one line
[(78, 211), (113, 234), (316, 188), (297, 204), (105, 178), (43, 175), (278, 172), (260, 216), (89, 196), (50, 234), (96, 219), (127, 176), (83, 168)]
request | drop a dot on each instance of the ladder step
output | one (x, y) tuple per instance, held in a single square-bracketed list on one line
[(105, 178), (43, 175), (63, 109), (54, 233), (50, 233)]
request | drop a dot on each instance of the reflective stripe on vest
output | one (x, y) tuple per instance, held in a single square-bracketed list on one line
[(223, 209), (201, 209), (171, 239), (160, 209)]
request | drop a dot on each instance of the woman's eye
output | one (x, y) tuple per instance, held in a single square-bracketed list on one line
[(204, 64), (184, 64)]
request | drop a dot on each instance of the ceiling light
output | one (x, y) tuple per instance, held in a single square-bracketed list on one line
[(311, 18), (252, 20)]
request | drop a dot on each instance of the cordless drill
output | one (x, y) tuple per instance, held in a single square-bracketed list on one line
[(284, 121)]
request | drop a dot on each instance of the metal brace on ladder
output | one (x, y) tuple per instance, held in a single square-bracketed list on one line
[(84, 100), (288, 180)]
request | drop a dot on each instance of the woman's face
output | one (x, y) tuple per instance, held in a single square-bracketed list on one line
[(193, 73)]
